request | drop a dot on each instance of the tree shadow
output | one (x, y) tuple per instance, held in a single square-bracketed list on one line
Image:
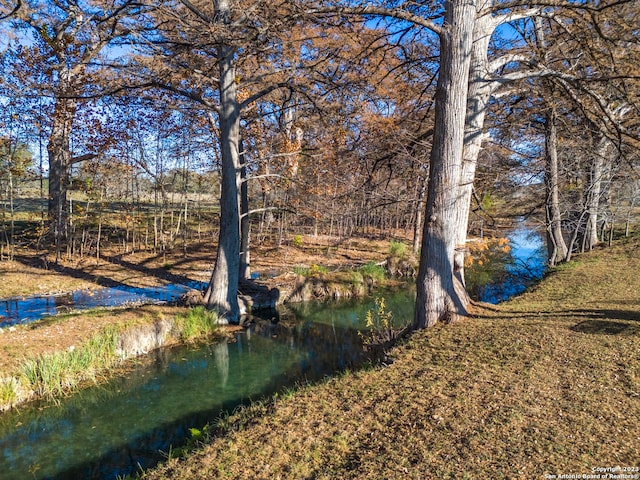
[(157, 272), (42, 264), (100, 279), (595, 321), (600, 327)]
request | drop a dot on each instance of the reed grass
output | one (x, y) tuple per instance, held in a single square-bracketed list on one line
[(373, 271), (53, 374), (197, 322), (9, 390)]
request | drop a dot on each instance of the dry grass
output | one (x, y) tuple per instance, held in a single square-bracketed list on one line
[(17, 279), (548, 383)]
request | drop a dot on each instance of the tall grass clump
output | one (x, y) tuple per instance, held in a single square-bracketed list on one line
[(312, 271), (397, 249), (8, 390), (197, 322), (53, 374), (375, 272)]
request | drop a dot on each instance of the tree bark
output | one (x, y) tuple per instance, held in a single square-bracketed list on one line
[(59, 152), (222, 292), (438, 290), (556, 245), (479, 94), (245, 222), (594, 191)]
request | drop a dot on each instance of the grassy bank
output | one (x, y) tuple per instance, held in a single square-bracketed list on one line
[(129, 333), (548, 383)]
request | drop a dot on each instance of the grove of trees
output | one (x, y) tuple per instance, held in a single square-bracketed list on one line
[(334, 118)]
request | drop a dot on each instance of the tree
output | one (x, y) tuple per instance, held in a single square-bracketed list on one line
[(68, 41), (450, 181), (210, 41), (15, 159)]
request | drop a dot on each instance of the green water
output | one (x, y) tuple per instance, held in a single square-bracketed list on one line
[(106, 431)]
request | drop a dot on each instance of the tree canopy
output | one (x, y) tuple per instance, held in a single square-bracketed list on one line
[(335, 118)]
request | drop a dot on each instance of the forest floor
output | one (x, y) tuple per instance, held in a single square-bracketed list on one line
[(545, 384), (33, 274)]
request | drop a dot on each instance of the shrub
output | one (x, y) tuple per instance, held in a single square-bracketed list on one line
[(380, 334), (297, 241)]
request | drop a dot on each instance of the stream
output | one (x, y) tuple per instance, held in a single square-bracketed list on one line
[(134, 420), (19, 310)]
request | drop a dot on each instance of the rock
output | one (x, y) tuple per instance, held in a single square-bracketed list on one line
[(190, 298)]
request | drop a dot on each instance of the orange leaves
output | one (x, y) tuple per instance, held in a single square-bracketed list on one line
[(481, 251)]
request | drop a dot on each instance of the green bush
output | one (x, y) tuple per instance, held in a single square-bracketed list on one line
[(297, 241)]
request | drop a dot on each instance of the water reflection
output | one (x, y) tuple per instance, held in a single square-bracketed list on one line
[(505, 272)]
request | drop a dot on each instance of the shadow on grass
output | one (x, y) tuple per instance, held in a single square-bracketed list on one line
[(600, 327), (595, 321), (101, 280), (158, 272), (37, 262)]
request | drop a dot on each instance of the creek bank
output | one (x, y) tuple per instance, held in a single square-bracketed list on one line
[(159, 329), (35, 377)]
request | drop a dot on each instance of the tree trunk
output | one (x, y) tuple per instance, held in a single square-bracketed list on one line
[(594, 191), (222, 293), (479, 94), (438, 289), (556, 245), (58, 149), (245, 223), (418, 220)]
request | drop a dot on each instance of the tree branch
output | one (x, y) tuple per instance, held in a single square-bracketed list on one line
[(396, 13), (12, 12)]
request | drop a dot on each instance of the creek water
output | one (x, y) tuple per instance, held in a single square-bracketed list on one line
[(506, 274), (18, 310), (134, 420)]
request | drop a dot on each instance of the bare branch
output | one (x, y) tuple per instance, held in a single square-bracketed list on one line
[(12, 12), (396, 13)]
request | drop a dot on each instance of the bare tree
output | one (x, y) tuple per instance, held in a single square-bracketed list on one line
[(69, 40)]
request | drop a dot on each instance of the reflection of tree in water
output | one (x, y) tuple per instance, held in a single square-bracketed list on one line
[(499, 268), (485, 264), (221, 356)]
